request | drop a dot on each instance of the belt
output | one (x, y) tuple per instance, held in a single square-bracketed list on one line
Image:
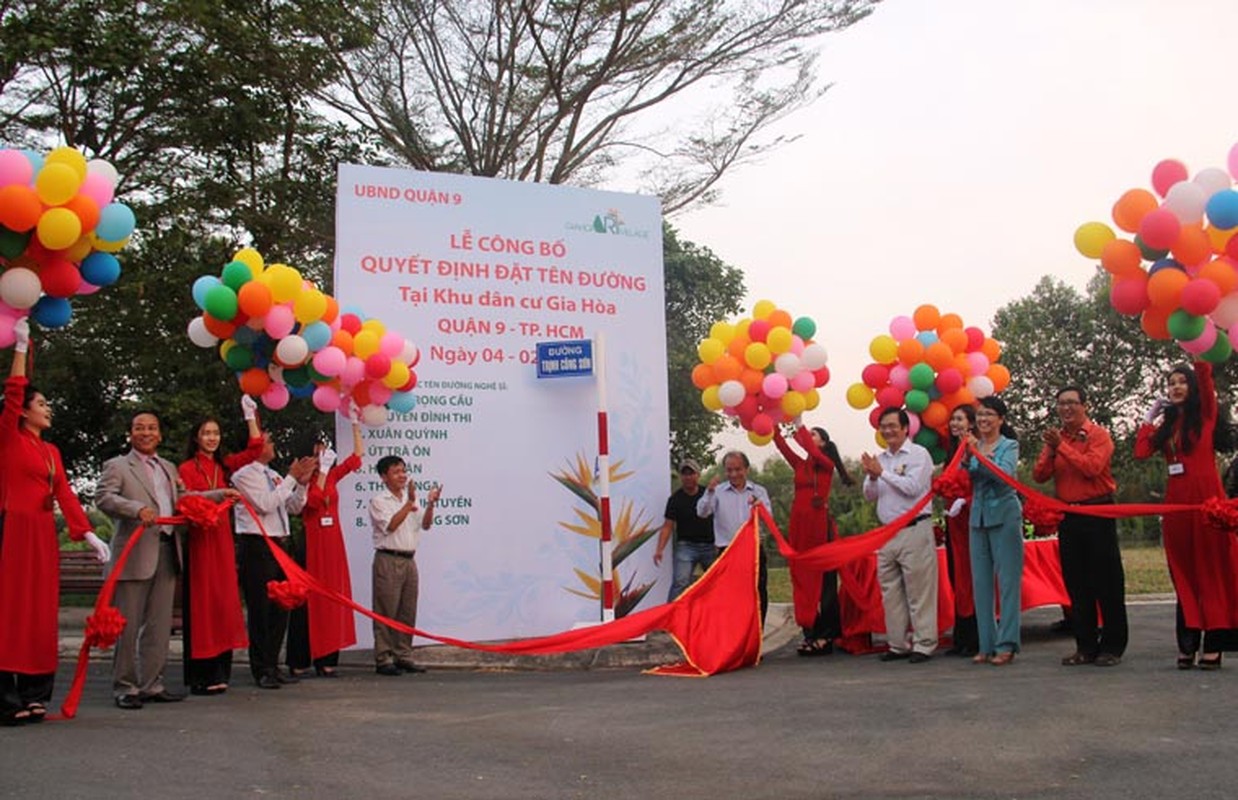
[(919, 519), (1103, 500), (397, 553)]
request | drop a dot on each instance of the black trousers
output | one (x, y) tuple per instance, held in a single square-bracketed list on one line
[(1092, 570), (1214, 641), (828, 624), (19, 689), (266, 621)]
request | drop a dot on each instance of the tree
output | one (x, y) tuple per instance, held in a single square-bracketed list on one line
[(700, 290), (562, 91)]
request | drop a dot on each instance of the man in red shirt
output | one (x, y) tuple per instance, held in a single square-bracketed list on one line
[(1077, 457)]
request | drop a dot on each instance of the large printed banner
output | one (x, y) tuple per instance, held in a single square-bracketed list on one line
[(476, 272)]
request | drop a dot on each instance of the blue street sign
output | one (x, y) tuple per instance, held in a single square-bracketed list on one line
[(565, 359)]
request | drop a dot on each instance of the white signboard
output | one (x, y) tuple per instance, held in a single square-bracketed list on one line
[(476, 272)]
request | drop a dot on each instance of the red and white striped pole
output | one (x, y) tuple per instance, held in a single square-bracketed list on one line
[(608, 583)]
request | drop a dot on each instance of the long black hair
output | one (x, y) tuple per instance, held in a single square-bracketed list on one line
[(192, 448), (953, 442), (831, 450), (27, 396), (995, 403), (1189, 411)]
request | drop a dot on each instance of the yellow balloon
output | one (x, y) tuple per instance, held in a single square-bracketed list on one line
[(763, 309), (793, 404), (759, 440), (723, 331), (250, 258), (106, 246), (859, 396), (59, 228), (285, 282), (79, 249), (398, 376), (881, 440), (374, 326), (709, 398), (227, 345), (71, 157), (56, 184), (309, 306), (1091, 238), (365, 344), (757, 355), (812, 399), (883, 349), (779, 340), (710, 350), (1219, 237)]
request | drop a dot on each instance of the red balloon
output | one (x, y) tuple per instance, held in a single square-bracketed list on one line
[(60, 278), (351, 323), (377, 366), (1129, 296), (875, 376), (762, 425), (1160, 229), (874, 416), (821, 376), (758, 330), (1200, 296), (949, 380), (889, 396), (975, 338)]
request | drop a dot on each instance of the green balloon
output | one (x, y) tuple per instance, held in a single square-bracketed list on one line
[(1148, 253), (938, 453), (1220, 352), (12, 243), (804, 328), (916, 400), (297, 377), (925, 437), (921, 376), (236, 275), (220, 303), (1185, 326), (239, 358)]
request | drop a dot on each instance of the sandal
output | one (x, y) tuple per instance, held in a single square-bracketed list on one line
[(1078, 659), (14, 718), (816, 647), (1186, 662), (981, 658), (1001, 659), (326, 672), (38, 712), (1206, 662)]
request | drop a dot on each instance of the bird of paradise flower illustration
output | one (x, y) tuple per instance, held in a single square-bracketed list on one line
[(629, 531)]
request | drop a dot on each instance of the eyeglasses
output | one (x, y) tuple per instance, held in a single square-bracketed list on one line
[(1068, 403), (987, 414)]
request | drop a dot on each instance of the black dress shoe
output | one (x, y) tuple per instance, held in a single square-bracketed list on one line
[(919, 658), (163, 697), (284, 677), (891, 655), (388, 669), (129, 702), (408, 666), (268, 681)]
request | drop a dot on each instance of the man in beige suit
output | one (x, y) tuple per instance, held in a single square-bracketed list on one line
[(136, 489)]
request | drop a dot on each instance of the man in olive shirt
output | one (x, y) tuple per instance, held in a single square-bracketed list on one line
[(694, 535)]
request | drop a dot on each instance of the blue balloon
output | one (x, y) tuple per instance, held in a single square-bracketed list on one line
[(35, 159), (317, 335), (100, 269), (245, 335), (1165, 263), (52, 312), (302, 391), (200, 287), (116, 221), (1222, 209), (402, 402), (927, 337)]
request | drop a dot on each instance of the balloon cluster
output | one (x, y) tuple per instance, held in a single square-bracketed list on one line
[(58, 230), (285, 338), (929, 364), (1188, 290), (761, 370)]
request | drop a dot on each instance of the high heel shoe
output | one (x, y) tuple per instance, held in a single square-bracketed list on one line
[(981, 658), (1001, 659), (1186, 662), (326, 672), (1206, 661)]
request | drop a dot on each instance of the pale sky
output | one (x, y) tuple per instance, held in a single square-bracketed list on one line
[(962, 143)]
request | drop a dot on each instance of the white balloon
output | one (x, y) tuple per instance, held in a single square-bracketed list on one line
[(1187, 200), (1226, 312), (374, 416), (20, 288), (98, 166), (410, 354), (814, 356), (292, 350), (788, 365), (731, 393), (199, 335), (276, 372), (980, 386), (1212, 180)]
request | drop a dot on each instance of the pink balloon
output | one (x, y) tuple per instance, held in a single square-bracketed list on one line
[(914, 419), (275, 397), (1233, 160), (900, 377), (380, 394), (797, 345), (7, 335), (87, 288), (979, 363), (1204, 341), (391, 345), (804, 381), (1169, 172), (326, 399), (354, 372), (774, 385), (98, 188), (330, 361), (377, 366), (279, 321), (902, 327), (1200, 296), (15, 168), (949, 380), (1160, 229), (889, 396)]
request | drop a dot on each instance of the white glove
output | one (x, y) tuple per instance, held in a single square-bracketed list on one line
[(354, 410), (325, 459), (956, 507), (21, 329), (102, 551), (249, 408), (1156, 410)]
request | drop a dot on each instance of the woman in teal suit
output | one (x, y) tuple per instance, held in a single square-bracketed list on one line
[(996, 535)]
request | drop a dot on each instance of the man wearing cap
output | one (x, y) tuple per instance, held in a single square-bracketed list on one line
[(694, 536), (897, 479), (730, 505)]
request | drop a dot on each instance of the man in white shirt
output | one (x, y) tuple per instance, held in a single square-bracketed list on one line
[(273, 497), (731, 505), (397, 529), (897, 479)]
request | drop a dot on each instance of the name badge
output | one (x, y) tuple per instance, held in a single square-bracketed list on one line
[(1177, 468), (327, 522)]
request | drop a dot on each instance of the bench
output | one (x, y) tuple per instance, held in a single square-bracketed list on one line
[(81, 573)]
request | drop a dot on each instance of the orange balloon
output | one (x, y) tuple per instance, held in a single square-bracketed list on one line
[(86, 211), (963, 397), (1221, 272), (1121, 257), (991, 349), (702, 376), (1218, 237), (1193, 246), (1155, 321), (343, 340), (1165, 288), (962, 364), (910, 352), (333, 310), (926, 317), (936, 415), (999, 375), (751, 379), (780, 319), (727, 368), (738, 345), (254, 381), (955, 339), (20, 208), (948, 322), (939, 356), (254, 298), (218, 328), (1132, 207)]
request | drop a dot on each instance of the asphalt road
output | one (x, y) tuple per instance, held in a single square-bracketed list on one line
[(838, 726)]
